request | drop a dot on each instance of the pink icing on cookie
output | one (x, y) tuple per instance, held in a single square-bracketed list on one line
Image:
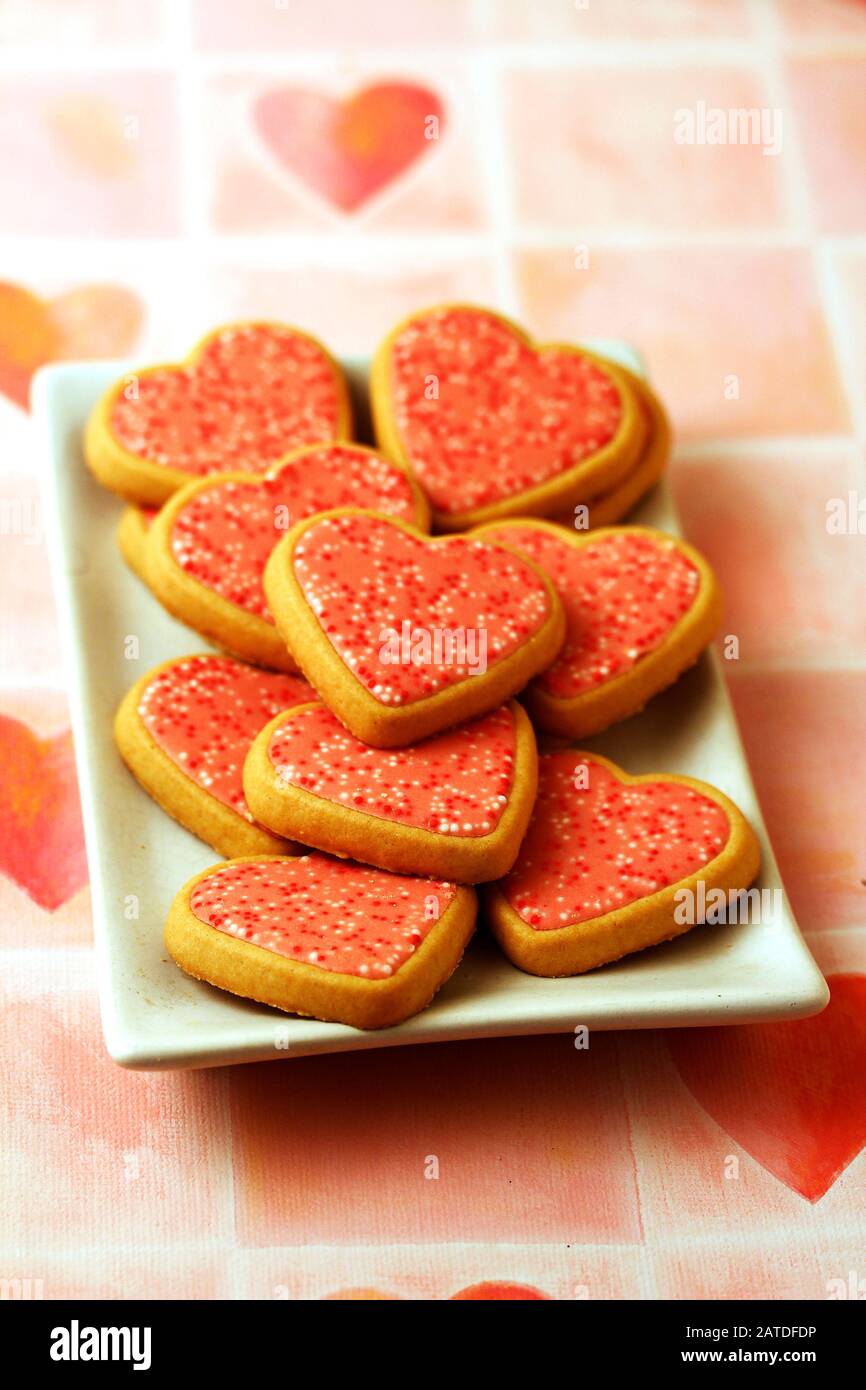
[(592, 849), (457, 783), (224, 535), (321, 911), (622, 595), (503, 418), (365, 579), (205, 711), (255, 393)]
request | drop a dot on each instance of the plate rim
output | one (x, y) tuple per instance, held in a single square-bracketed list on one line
[(131, 1048)]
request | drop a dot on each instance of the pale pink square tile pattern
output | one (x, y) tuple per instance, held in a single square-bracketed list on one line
[(848, 289), (621, 20), (593, 149), (350, 306), (570, 1104), (55, 24), (90, 155), (792, 585), (820, 849), (821, 19), (164, 167), (829, 96), (685, 308), (328, 24)]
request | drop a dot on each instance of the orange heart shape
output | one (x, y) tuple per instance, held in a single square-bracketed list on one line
[(496, 1290), (41, 834), (347, 151), (87, 322)]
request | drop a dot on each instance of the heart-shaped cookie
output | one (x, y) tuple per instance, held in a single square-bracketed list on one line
[(184, 731), (605, 859), (132, 532), (640, 608), (613, 503), (348, 150), (321, 937), (495, 425), (207, 551), (248, 394), (454, 806), (403, 635)]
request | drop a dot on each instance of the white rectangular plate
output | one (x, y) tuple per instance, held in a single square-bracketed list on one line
[(154, 1016)]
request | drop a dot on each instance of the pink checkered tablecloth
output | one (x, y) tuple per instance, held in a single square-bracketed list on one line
[(147, 192)]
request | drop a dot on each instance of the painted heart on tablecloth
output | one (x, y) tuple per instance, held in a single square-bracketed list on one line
[(88, 322), (348, 150), (793, 1095), (41, 834), (485, 417)]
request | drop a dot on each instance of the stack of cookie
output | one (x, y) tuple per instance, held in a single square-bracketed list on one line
[(355, 749)]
